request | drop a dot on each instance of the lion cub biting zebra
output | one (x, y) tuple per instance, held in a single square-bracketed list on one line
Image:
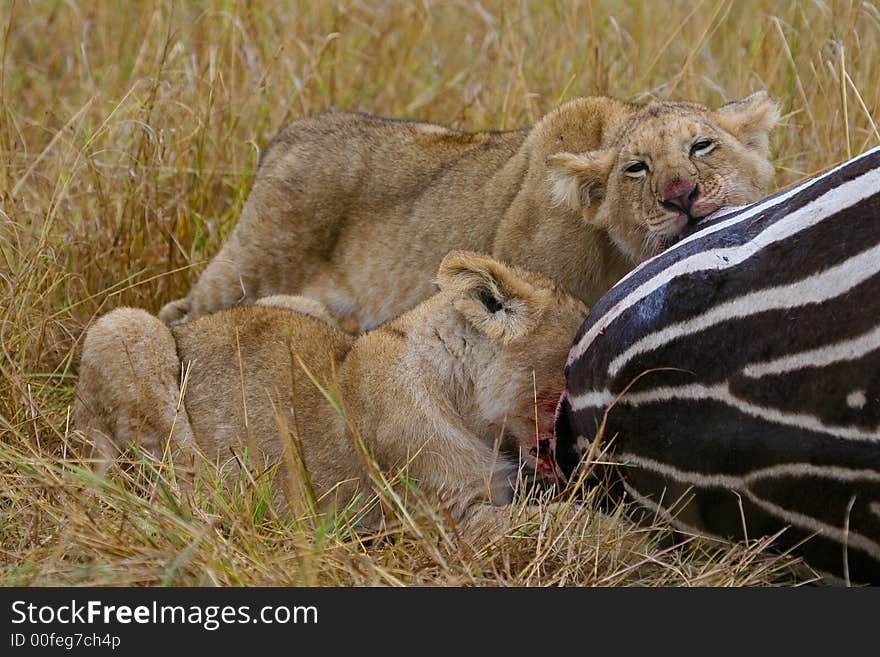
[(446, 392), (357, 211), (740, 398)]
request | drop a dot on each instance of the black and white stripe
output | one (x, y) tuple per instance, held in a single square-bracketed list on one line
[(749, 354)]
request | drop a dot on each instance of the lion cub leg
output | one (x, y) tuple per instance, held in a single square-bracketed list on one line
[(128, 390), (220, 286)]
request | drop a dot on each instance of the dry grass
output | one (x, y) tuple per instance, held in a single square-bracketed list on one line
[(129, 135)]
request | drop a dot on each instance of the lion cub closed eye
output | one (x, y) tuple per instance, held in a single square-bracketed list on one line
[(357, 211), (445, 391)]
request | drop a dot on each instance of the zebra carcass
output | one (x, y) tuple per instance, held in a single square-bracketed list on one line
[(734, 380)]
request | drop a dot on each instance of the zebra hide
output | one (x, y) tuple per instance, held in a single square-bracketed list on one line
[(738, 376)]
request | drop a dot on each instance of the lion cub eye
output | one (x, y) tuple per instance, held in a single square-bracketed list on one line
[(702, 147), (637, 169)]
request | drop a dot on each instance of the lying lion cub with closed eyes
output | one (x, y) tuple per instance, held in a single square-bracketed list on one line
[(446, 392)]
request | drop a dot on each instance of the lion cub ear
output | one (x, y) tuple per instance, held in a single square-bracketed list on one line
[(491, 296), (750, 120), (578, 179)]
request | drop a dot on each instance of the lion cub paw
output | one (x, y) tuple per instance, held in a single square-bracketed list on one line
[(175, 312)]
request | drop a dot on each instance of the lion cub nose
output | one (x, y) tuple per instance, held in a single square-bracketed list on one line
[(679, 194)]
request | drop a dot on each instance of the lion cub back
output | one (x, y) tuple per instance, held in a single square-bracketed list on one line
[(261, 357)]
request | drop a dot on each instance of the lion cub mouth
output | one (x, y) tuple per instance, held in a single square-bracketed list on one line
[(542, 460), (709, 219), (697, 219)]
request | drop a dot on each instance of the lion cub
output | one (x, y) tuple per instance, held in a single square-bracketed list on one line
[(357, 211), (445, 393)]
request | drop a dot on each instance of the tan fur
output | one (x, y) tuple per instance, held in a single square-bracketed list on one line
[(299, 304), (357, 211), (446, 392)]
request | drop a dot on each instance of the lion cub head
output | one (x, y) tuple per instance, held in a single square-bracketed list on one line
[(499, 336), (667, 164)]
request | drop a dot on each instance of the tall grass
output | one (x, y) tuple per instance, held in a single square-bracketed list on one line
[(129, 135)]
